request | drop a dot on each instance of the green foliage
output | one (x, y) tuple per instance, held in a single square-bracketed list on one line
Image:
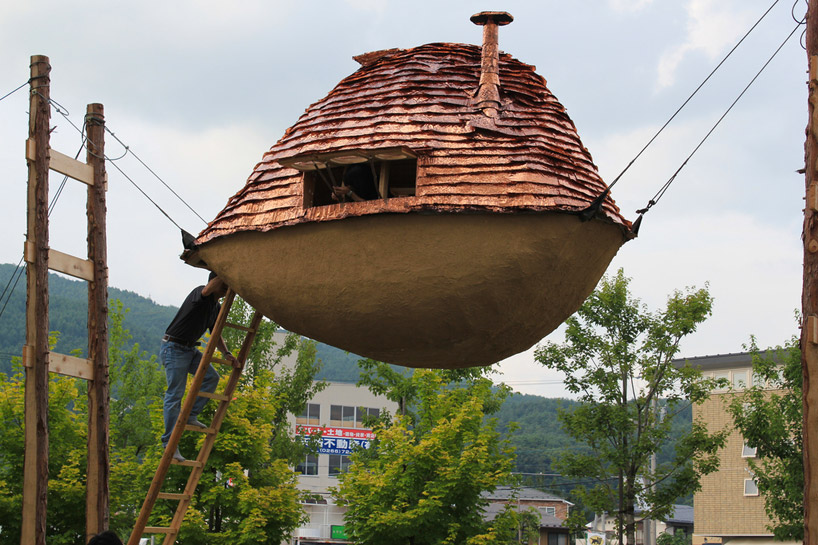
[(679, 538), (421, 480), (248, 493), (617, 360), (66, 460), (769, 417)]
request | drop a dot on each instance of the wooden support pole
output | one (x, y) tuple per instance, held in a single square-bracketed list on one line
[(35, 470), (97, 505), (809, 297)]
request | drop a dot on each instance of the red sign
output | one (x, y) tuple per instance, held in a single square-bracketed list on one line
[(346, 433)]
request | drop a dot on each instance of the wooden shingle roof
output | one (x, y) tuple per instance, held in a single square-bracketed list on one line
[(527, 158)]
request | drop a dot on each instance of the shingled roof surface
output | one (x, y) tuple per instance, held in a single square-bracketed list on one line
[(528, 158)]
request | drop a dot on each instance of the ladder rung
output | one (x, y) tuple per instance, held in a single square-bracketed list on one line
[(172, 496), (188, 427), (158, 530), (237, 326), (214, 359), (220, 397), (187, 463)]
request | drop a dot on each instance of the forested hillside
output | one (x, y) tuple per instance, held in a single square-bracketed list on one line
[(68, 311)]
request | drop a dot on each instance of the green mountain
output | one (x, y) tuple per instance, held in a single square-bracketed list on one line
[(146, 321), (68, 312)]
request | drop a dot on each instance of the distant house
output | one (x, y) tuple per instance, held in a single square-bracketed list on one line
[(680, 519), (552, 509)]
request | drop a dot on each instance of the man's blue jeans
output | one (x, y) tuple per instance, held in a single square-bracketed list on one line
[(179, 361)]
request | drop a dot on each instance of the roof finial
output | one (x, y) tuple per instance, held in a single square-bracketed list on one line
[(488, 92)]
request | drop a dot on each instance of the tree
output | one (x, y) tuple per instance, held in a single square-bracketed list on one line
[(769, 416), (617, 358), (248, 494), (66, 460), (422, 479)]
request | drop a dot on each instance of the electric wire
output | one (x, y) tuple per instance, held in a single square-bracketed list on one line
[(129, 150), (116, 166), (18, 272), (659, 194), (672, 117), (12, 92)]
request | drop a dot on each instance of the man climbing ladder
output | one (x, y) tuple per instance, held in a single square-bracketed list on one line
[(184, 423), (180, 354)]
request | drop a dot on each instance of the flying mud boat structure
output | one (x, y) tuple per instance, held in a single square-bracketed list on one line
[(436, 209)]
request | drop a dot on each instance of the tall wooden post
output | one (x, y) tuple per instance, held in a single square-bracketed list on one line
[(96, 506), (809, 301), (35, 351)]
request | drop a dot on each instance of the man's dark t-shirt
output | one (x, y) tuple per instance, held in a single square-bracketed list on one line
[(196, 315)]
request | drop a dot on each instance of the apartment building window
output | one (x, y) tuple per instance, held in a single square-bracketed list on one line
[(338, 463), (349, 417), (309, 466), (311, 416), (748, 451), (750, 487), (721, 375), (551, 511), (362, 412), (739, 380)]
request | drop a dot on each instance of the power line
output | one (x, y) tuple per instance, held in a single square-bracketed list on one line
[(65, 115), (129, 150), (659, 194), (693, 94), (12, 92)]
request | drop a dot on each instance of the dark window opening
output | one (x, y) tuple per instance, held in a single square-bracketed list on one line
[(356, 175), (338, 463), (309, 466)]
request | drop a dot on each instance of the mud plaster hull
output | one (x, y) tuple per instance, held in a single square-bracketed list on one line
[(444, 291)]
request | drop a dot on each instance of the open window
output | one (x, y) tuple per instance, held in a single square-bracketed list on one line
[(356, 175)]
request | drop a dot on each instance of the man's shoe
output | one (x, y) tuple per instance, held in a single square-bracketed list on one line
[(178, 456), (193, 421)]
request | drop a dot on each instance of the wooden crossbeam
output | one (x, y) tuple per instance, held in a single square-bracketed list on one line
[(64, 263), (59, 162), (62, 364)]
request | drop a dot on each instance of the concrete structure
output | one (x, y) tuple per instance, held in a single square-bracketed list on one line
[(340, 409), (728, 508), (553, 511)]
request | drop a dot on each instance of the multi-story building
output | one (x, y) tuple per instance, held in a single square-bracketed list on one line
[(728, 508), (340, 410)]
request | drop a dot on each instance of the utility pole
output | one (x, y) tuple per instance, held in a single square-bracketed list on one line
[(809, 299), (35, 351)]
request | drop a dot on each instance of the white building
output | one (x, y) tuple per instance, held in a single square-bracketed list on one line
[(339, 409)]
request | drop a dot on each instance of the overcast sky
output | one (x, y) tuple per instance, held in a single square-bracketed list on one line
[(199, 90)]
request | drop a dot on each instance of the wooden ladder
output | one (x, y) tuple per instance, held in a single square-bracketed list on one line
[(224, 398)]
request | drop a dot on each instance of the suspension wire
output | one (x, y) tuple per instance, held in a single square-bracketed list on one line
[(18, 271), (659, 194), (15, 275), (693, 94), (129, 150), (64, 114), (12, 92)]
